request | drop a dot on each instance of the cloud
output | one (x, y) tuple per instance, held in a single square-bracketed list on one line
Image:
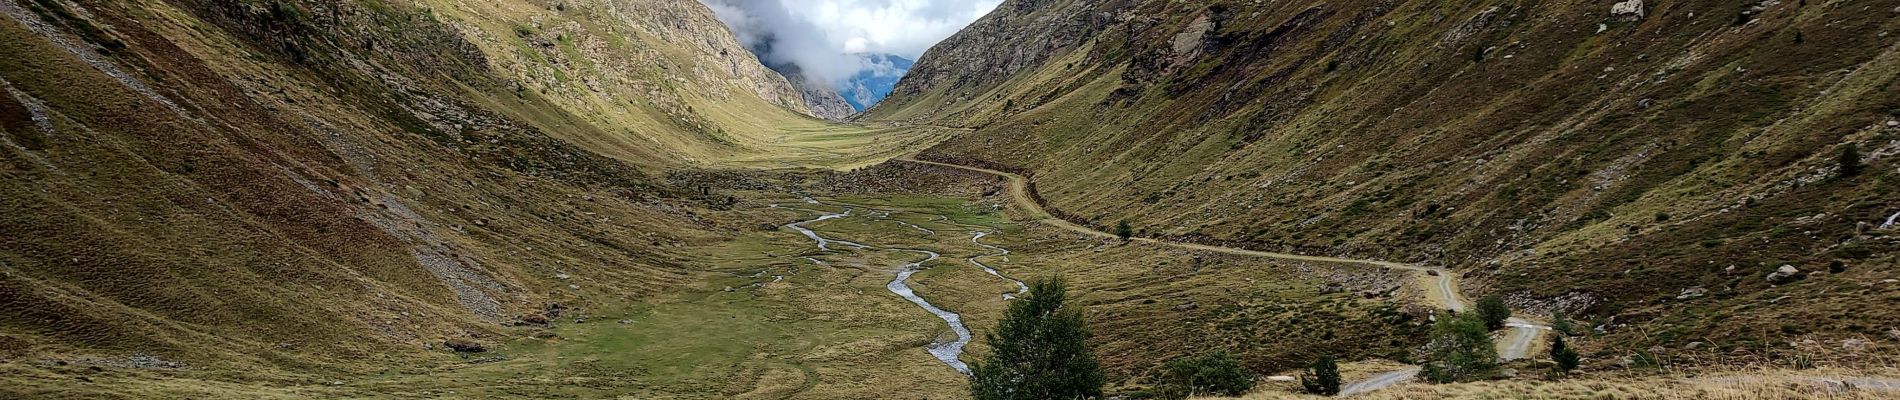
[(822, 38)]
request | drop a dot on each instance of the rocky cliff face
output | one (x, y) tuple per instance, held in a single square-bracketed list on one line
[(647, 65), (1015, 38), (717, 55), (820, 98), (1590, 157)]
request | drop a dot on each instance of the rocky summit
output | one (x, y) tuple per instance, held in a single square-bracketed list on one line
[(1060, 199)]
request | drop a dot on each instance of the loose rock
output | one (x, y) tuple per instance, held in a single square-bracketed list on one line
[(1627, 10), (464, 346), (1784, 274)]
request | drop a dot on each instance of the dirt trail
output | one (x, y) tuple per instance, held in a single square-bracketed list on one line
[(1379, 381), (1440, 286), (1520, 338)]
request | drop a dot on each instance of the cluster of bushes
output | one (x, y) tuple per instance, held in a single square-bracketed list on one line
[(1041, 352), (1211, 374)]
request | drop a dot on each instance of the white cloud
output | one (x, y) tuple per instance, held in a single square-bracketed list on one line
[(820, 37), (902, 27)]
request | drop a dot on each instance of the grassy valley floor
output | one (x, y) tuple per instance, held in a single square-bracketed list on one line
[(773, 316)]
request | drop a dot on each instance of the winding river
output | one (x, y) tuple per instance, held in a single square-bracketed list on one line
[(951, 352), (978, 239), (948, 352), (823, 243)]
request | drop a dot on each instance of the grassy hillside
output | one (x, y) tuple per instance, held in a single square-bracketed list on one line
[(1645, 173), (277, 192)]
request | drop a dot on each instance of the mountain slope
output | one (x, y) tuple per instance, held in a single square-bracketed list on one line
[(823, 100), (301, 188), (1649, 168)]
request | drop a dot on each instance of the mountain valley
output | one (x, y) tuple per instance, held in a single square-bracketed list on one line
[(618, 199)]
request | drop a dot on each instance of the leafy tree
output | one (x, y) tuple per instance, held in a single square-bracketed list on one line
[(1322, 378), (1492, 309), (1040, 350), (1122, 230), (1460, 349), (1216, 373), (1850, 160), (1566, 357)]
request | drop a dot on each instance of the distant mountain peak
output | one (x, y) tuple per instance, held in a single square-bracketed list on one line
[(870, 85)]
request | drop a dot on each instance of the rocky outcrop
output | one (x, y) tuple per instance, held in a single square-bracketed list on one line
[(1020, 35), (820, 100), (1629, 10)]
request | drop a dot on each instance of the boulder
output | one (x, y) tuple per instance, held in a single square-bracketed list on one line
[(1691, 293), (1784, 274), (1630, 10), (464, 346)]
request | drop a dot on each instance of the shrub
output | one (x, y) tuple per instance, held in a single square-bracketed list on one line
[(1561, 323), (1216, 374), (1039, 350), (1460, 349), (1850, 160), (1322, 378), (1565, 357), (1493, 311), (1803, 361), (1122, 230), (1645, 359)]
